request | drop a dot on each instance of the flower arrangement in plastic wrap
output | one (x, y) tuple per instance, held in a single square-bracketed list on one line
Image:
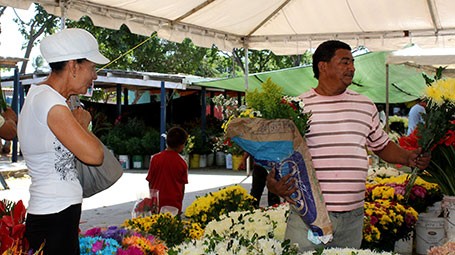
[(170, 229), (119, 241), (433, 135), (243, 232), (215, 204), (422, 195), (385, 222)]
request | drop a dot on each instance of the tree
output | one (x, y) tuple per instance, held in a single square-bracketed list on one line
[(41, 23), (266, 60), (141, 53)]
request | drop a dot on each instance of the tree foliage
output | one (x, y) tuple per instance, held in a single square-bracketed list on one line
[(41, 23), (156, 54)]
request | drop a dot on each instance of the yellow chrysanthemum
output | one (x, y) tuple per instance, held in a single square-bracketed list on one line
[(441, 90)]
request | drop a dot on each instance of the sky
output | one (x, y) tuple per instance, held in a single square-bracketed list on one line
[(11, 39)]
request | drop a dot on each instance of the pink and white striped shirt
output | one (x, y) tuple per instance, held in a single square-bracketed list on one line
[(341, 127)]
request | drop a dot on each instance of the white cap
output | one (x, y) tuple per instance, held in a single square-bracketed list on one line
[(71, 44)]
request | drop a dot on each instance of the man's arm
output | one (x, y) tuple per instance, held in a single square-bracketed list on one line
[(393, 153)]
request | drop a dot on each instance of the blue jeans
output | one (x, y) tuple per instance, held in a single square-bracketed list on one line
[(347, 230)]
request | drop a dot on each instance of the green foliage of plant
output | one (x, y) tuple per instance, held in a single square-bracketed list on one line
[(442, 169), (233, 148), (151, 141), (272, 104), (201, 143), (171, 229), (126, 138), (267, 100)]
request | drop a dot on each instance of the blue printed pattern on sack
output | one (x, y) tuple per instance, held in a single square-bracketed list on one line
[(305, 204)]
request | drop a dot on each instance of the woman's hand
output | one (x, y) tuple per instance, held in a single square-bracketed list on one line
[(82, 116)]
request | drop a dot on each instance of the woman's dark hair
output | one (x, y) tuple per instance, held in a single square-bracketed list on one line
[(176, 136), (325, 52), (59, 66)]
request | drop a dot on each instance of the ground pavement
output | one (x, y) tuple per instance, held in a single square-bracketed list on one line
[(113, 206)]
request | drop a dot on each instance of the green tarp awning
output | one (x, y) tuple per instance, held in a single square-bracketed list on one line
[(406, 84)]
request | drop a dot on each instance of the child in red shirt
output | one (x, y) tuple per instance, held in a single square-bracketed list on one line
[(168, 171)]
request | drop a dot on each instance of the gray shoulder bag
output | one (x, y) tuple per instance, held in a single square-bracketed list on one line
[(95, 179)]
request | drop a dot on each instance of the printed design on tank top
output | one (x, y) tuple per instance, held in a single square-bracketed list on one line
[(64, 162)]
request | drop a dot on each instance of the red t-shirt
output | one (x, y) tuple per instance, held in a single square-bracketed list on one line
[(168, 172)]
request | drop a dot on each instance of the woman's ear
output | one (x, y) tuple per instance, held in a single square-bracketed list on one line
[(72, 66)]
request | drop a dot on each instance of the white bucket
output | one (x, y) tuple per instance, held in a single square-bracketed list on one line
[(429, 232), (404, 246), (435, 209), (228, 161), (448, 207), (124, 161), (203, 160), (220, 158)]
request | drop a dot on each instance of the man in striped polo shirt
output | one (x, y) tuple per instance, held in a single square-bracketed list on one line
[(343, 124)]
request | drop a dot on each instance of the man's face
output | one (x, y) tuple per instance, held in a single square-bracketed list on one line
[(340, 69)]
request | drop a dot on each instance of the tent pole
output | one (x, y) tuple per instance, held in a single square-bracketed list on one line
[(63, 14), (246, 66), (387, 128)]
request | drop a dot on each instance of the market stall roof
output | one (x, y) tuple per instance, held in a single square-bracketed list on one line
[(407, 84), (132, 80), (9, 62), (284, 26)]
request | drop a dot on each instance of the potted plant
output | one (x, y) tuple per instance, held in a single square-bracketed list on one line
[(135, 150), (235, 153), (219, 148), (125, 140), (150, 144)]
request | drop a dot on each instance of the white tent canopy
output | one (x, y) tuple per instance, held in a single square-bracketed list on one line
[(283, 26), (419, 56)]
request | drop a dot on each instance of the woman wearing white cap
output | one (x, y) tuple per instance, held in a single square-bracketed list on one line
[(51, 136)]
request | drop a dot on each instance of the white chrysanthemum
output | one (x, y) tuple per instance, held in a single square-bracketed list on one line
[(269, 247), (346, 251)]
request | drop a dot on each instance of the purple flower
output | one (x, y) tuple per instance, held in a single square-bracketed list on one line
[(98, 245), (115, 233)]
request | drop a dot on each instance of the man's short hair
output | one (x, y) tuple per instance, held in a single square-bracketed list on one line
[(325, 52)]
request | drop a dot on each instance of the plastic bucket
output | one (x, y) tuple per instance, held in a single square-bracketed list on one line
[(448, 207), (228, 161), (404, 246), (220, 158), (429, 232), (203, 160), (124, 161), (194, 160), (137, 161)]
